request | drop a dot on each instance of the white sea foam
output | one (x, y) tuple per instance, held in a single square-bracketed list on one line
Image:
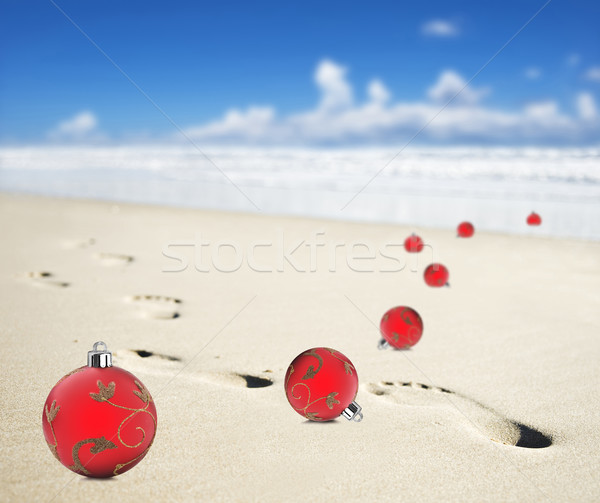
[(421, 186)]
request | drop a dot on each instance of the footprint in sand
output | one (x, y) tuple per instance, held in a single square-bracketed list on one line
[(79, 243), (113, 259), (239, 380), (156, 306), (157, 363), (481, 418), (139, 355), (150, 361), (44, 279)]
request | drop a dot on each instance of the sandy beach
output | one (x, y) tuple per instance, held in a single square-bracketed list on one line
[(497, 402)]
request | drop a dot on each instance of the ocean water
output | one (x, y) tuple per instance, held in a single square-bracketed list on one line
[(495, 188)]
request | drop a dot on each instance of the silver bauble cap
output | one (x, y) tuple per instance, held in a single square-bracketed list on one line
[(353, 412), (98, 357)]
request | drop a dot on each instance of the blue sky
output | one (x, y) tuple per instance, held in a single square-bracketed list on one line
[(199, 61)]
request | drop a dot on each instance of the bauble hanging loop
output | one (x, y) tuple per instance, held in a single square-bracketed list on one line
[(353, 412), (99, 358)]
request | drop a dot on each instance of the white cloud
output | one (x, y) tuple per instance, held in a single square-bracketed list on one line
[(440, 28), (533, 73), (249, 126), (593, 74), (451, 85), (337, 119), (586, 106), (378, 93), (82, 126), (541, 110), (336, 92)]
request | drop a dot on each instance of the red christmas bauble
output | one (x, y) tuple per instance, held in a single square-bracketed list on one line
[(401, 327), (465, 230), (321, 384), (413, 244), (99, 420), (534, 219), (436, 275)]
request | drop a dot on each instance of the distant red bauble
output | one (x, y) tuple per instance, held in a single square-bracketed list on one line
[(534, 219), (465, 230), (413, 244), (436, 275), (321, 383), (401, 327), (99, 422)]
